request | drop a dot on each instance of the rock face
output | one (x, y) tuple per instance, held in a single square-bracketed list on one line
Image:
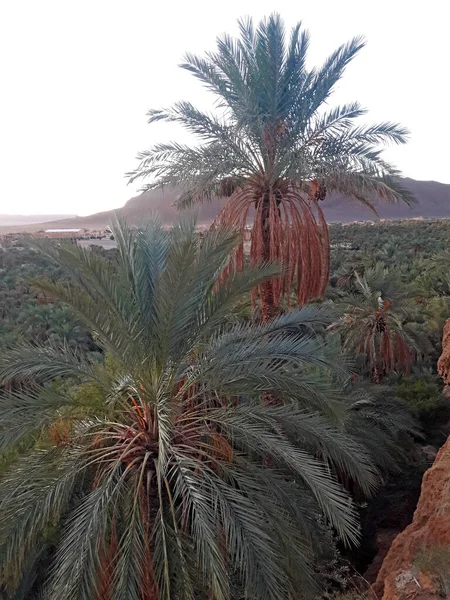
[(417, 566), (384, 540), (444, 360)]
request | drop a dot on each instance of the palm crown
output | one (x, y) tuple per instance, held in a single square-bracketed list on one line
[(155, 471), (275, 149), (375, 325)]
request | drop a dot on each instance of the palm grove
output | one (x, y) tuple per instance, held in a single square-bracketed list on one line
[(202, 434)]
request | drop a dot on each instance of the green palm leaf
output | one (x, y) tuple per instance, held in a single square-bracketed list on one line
[(153, 465)]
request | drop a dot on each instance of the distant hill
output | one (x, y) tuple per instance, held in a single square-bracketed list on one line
[(433, 202), (135, 211), (18, 220)]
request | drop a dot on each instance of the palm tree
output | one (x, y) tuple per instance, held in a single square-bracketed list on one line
[(375, 325), (275, 150), (162, 472)]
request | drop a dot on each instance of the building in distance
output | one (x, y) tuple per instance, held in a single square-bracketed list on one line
[(63, 233)]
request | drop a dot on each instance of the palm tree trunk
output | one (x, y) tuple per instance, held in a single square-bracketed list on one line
[(268, 307), (376, 375)]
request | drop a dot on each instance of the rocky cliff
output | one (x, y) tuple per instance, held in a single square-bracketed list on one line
[(444, 360), (417, 566)]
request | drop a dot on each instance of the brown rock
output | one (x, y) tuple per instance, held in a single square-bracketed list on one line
[(444, 360), (385, 537), (417, 567)]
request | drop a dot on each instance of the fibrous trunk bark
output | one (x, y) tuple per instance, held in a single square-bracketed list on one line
[(268, 307)]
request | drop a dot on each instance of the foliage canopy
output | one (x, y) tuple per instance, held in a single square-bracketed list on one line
[(156, 470)]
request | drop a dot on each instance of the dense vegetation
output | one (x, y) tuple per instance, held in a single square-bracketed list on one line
[(407, 262), (26, 312)]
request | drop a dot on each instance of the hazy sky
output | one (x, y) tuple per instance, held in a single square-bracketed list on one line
[(77, 77)]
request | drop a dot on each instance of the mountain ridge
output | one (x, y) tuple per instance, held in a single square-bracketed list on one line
[(9, 220), (433, 201)]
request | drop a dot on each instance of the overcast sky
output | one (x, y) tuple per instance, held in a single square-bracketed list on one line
[(77, 77)]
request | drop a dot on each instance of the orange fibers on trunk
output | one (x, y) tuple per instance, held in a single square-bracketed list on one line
[(289, 229)]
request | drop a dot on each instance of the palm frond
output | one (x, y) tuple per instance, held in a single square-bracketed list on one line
[(153, 463), (77, 564), (30, 504)]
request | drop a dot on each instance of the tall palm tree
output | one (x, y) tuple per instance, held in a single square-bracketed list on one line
[(375, 324), (275, 150), (161, 472)]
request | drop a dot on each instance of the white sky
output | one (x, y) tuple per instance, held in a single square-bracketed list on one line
[(77, 77)]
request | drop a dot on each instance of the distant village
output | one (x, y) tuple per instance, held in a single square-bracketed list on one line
[(75, 234), (85, 237), (104, 237)]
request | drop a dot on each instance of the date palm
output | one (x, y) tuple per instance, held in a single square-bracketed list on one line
[(375, 327), (275, 149), (161, 471)]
